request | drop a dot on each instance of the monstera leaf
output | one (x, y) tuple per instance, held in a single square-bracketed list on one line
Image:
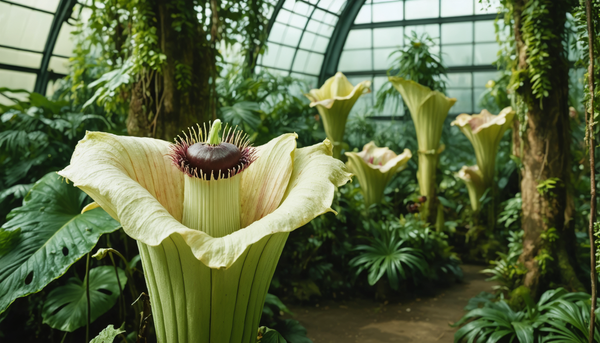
[(45, 236), (66, 306)]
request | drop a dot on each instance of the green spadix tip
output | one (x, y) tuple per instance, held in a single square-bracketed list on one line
[(214, 137)]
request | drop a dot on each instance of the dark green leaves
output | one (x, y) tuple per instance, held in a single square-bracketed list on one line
[(65, 308), (267, 335), (53, 235)]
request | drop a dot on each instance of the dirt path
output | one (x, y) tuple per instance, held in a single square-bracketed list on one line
[(366, 321)]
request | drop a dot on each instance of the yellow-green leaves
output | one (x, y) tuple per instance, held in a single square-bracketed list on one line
[(485, 131), (428, 110), (334, 100), (374, 167)]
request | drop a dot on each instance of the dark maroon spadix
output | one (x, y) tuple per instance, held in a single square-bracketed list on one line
[(213, 159)]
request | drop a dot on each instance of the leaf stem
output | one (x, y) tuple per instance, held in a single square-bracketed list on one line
[(87, 295)]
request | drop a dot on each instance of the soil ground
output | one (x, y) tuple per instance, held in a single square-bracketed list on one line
[(420, 320)]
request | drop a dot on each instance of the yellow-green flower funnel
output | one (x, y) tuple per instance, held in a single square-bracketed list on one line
[(428, 110), (472, 177), (485, 131), (209, 246), (334, 100), (374, 167)]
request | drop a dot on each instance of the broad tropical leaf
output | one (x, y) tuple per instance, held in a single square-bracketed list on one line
[(47, 235), (267, 335), (66, 306), (107, 335)]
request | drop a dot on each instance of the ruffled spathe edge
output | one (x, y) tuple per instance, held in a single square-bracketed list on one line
[(333, 90), (485, 118), (390, 161), (417, 94), (309, 193)]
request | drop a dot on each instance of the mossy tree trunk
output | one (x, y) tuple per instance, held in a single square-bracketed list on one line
[(165, 102), (549, 242)]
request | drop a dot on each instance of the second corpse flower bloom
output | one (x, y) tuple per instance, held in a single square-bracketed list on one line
[(334, 100), (211, 216), (428, 109), (374, 167), (485, 131)]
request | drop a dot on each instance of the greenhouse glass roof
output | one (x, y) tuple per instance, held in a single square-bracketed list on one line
[(35, 41), (311, 39)]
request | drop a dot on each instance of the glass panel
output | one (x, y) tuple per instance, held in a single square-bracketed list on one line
[(358, 39), (23, 28), (459, 80), (320, 44), (485, 31), (313, 66), (300, 60), (59, 65), (64, 45), (387, 37), (452, 8), (318, 14), (20, 58), (335, 6), (486, 53), (387, 11), (16, 80), (289, 4), (464, 101), (390, 106), (457, 55), (292, 36), (433, 30), (277, 31), (297, 21), (422, 9), (486, 7), (382, 59), (283, 16), (480, 78), (302, 8), (457, 33), (46, 5), (364, 15), (355, 60), (308, 40), (330, 19), (310, 80), (313, 26)]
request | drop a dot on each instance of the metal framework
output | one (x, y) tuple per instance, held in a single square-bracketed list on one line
[(43, 75), (338, 39), (63, 12)]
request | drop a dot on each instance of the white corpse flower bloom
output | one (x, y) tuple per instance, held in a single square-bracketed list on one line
[(374, 167), (428, 110), (334, 100), (211, 216), (485, 132)]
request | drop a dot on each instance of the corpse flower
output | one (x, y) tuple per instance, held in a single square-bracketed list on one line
[(428, 110), (485, 131), (334, 100), (472, 177), (211, 216), (374, 167)]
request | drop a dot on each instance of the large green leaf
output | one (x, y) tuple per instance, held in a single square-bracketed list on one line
[(47, 235), (66, 306), (267, 335), (107, 335)]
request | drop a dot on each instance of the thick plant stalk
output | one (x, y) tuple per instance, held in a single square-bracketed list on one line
[(592, 149), (428, 110), (224, 309)]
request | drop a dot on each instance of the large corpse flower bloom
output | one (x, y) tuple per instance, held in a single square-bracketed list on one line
[(211, 216)]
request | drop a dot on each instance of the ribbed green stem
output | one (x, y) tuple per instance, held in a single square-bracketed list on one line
[(212, 206), (192, 303)]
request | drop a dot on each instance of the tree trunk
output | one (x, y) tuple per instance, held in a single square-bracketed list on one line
[(167, 102), (546, 155)]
